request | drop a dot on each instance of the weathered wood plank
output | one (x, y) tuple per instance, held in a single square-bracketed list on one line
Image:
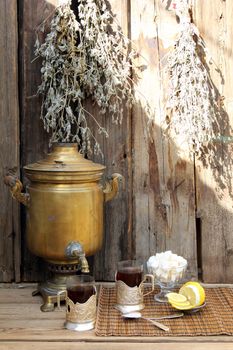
[(9, 141), (17, 313), (163, 183), (34, 140), (112, 345), (214, 181), (48, 335), (117, 158)]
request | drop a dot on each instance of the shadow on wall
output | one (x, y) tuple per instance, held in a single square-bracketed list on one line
[(217, 154), (188, 200), (179, 206)]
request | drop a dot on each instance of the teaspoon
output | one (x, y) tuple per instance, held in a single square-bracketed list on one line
[(139, 315)]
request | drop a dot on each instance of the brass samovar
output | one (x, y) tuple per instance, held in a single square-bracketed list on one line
[(64, 220)]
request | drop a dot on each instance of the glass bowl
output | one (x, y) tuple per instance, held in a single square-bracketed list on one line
[(168, 279)]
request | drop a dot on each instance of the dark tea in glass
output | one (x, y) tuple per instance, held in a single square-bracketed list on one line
[(80, 293), (129, 286), (80, 288), (81, 300), (130, 272)]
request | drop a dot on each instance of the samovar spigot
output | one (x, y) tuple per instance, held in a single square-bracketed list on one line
[(75, 249), (84, 263)]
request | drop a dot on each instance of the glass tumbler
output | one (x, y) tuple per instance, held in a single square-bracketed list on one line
[(130, 285), (81, 300)]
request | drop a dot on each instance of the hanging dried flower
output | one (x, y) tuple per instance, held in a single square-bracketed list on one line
[(82, 57), (190, 103)]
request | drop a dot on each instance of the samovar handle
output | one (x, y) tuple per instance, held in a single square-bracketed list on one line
[(16, 189), (112, 187)]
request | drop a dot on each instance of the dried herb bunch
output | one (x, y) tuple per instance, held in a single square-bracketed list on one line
[(82, 56), (190, 111)]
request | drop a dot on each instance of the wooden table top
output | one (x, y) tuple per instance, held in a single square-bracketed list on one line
[(24, 326)]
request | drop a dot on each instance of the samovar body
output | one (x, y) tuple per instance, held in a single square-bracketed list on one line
[(65, 201)]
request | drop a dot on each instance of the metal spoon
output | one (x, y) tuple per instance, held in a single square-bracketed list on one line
[(139, 315), (195, 309), (175, 315), (161, 317)]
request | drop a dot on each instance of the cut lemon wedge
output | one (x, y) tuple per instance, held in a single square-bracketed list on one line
[(184, 306), (194, 293), (176, 298), (184, 303)]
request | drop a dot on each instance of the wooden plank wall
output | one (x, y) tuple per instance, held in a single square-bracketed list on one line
[(117, 158), (214, 181), (34, 140), (169, 200), (163, 181), (10, 246)]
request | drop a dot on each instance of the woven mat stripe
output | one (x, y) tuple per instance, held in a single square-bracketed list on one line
[(215, 319)]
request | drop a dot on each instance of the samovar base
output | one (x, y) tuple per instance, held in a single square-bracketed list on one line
[(50, 295), (51, 290)]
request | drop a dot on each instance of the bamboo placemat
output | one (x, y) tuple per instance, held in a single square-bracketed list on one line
[(215, 319)]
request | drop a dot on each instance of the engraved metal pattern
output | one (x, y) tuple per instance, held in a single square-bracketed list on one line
[(81, 312), (64, 268), (129, 295)]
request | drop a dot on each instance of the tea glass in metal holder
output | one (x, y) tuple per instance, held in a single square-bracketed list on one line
[(129, 280), (81, 301)]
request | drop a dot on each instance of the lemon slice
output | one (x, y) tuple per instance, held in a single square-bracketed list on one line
[(184, 303), (184, 306), (176, 298), (194, 293)]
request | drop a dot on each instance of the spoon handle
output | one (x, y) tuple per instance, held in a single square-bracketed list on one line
[(167, 317), (158, 324)]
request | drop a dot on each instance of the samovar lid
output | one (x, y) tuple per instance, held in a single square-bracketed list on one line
[(64, 159)]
